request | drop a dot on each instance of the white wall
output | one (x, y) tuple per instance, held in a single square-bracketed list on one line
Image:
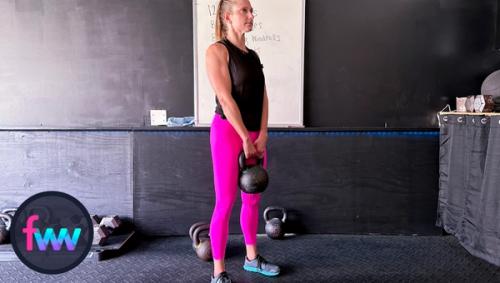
[(278, 38)]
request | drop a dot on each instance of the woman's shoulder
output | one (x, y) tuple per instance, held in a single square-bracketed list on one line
[(217, 49)]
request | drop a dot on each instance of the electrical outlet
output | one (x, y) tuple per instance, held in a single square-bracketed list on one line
[(158, 117)]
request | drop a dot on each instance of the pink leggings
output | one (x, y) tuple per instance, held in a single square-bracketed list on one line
[(226, 145)]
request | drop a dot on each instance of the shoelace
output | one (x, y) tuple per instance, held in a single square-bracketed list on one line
[(261, 261)]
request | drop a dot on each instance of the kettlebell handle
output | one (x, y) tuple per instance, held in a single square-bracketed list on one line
[(197, 231), (193, 227), (242, 160), (271, 208), (7, 219), (9, 210)]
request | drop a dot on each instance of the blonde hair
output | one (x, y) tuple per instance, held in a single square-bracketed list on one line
[(220, 25)]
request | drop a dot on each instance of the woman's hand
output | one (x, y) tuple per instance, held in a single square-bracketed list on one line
[(249, 149), (260, 145)]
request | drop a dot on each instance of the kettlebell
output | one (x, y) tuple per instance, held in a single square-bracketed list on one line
[(275, 227), (5, 221), (10, 211), (202, 247), (193, 227), (253, 178)]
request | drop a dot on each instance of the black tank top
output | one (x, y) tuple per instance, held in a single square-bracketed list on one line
[(247, 85)]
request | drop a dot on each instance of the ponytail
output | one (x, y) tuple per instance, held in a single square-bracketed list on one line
[(220, 25)]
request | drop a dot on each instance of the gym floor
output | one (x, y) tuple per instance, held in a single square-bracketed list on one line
[(304, 258)]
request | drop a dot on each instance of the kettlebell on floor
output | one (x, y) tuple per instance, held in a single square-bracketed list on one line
[(5, 221), (193, 227), (201, 245), (275, 227)]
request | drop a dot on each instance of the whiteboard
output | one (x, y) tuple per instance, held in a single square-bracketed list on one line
[(278, 39)]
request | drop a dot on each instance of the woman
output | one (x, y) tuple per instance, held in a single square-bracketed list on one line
[(240, 123)]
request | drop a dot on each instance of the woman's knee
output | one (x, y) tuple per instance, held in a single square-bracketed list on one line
[(250, 199), (224, 206)]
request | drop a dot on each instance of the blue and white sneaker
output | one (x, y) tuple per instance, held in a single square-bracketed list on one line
[(260, 265)]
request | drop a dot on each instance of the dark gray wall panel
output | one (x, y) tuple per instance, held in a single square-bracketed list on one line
[(94, 167), (355, 182), (332, 182), (173, 183), (394, 63), (375, 60), (94, 63)]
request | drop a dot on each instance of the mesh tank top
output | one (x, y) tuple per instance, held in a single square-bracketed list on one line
[(247, 85)]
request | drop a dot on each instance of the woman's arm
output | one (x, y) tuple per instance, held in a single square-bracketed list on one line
[(218, 74), (260, 143), (265, 113)]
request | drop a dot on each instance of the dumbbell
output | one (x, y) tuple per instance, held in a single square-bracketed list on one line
[(101, 235), (103, 227), (95, 219), (112, 222)]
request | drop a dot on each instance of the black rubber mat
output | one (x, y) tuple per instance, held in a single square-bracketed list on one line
[(305, 258)]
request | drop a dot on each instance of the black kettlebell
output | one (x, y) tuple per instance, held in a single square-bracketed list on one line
[(275, 227), (253, 178), (5, 221), (202, 247)]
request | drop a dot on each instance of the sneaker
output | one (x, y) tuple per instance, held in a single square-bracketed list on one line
[(221, 278), (260, 265)]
